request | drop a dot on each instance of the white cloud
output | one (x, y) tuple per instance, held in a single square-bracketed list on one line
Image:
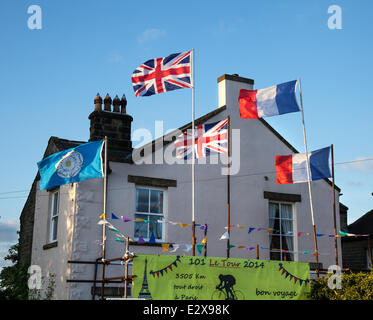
[(150, 35), (8, 231)]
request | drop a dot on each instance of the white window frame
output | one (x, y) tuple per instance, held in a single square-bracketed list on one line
[(53, 215), (161, 216), (294, 233)]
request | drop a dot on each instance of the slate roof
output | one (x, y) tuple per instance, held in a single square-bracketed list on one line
[(363, 225)]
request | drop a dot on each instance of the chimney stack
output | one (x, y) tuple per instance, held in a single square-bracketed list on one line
[(229, 86), (115, 124)]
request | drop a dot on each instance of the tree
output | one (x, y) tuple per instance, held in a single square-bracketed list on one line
[(13, 279)]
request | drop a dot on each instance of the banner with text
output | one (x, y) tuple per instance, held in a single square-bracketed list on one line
[(170, 277)]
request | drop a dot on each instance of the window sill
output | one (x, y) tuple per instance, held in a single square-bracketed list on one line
[(50, 245), (147, 244)]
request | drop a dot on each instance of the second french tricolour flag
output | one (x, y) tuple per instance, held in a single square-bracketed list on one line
[(293, 168)]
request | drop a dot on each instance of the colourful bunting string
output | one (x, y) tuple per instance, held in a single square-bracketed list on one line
[(165, 269), (291, 276), (251, 229)]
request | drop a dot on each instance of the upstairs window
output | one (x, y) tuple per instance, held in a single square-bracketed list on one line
[(149, 213), (281, 238), (54, 210)]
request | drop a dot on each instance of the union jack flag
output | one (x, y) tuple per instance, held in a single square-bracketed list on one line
[(163, 74), (207, 137)]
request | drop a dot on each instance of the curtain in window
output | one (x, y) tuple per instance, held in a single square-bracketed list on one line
[(287, 225)]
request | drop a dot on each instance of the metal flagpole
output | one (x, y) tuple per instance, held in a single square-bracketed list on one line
[(104, 225), (334, 210), (309, 180), (193, 162), (228, 188)]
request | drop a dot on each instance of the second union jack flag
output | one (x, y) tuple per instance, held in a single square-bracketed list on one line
[(163, 74), (207, 137)]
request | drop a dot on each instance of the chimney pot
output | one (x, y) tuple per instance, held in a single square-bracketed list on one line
[(107, 103), (98, 102), (123, 103), (116, 104)]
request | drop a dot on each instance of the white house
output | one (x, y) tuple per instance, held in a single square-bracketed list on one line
[(65, 219)]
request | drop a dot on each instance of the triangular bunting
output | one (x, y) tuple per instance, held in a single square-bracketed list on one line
[(141, 239), (165, 247), (225, 236), (199, 248), (113, 216), (152, 238), (102, 216), (125, 219)]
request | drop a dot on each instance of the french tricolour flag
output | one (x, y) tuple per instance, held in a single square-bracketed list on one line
[(268, 102), (293, 168)]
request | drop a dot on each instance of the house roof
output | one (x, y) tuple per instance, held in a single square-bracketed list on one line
[(363, 225)]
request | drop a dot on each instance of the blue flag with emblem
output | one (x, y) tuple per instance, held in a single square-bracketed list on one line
[(72, 165)]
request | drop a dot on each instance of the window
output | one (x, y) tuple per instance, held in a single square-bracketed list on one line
[(369, 257), (54, 216), (282, 236), (150, 211)]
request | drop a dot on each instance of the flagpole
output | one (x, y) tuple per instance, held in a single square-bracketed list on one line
[(309, 179), (228, 187), (193, 163), (334, 209), (104, 225)]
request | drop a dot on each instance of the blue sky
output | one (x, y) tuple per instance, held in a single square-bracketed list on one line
[(49, 77)]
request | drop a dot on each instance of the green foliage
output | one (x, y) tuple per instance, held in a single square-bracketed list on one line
[(355, 286), (13, 279), (46, 294)]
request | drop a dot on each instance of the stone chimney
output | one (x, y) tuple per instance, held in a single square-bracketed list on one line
[(114, 123)]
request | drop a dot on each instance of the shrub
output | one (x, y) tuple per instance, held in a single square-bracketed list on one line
[(355, 286)]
